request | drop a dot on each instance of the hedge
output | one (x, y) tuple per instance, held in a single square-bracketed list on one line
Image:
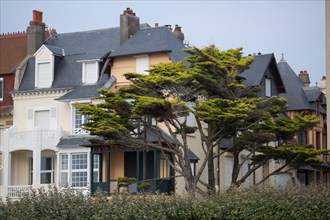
[(254, 203)]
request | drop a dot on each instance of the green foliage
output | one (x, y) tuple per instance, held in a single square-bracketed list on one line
[(255, 203), (124, 179), (144, 185)]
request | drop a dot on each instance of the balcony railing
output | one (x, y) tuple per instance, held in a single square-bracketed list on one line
[(16, 140), (15, 192)]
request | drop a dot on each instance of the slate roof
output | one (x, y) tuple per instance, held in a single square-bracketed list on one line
[(258, 68), (297, 99), (56, 50), (97, 44), (152, 40)]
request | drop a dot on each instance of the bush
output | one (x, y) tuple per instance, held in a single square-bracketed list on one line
[(254, 203)]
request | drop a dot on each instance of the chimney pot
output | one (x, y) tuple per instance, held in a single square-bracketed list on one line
[(177, 33), (156, 24)]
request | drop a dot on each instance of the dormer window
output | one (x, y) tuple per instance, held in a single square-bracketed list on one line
[(90, 71), (43, 75), (44, 65)]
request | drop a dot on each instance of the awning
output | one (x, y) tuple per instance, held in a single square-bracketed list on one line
[(308, 167)]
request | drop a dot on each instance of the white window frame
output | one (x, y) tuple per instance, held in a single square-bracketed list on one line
[(31, 116), (268, 87), (80, 183), (142, 64), (2, 90), (66, 168), (80, 130), (51, 171), (97, 70), (96, 168)]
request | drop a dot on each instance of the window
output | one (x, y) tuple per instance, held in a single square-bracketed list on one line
[(302, 137), (96, 166), (318, 140), (164, 166), (64, 163), (43, 76), (142, 64), (79, 170), (47, 170), (90, 72), (1, 89), (79, 120), (41, 119), (268, 88)]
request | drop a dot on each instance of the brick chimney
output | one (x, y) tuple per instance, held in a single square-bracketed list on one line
[(129, 25), (35, 33), (177, 33), (304, 77)]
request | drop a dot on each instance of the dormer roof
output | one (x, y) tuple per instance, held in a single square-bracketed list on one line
[(258, 68)]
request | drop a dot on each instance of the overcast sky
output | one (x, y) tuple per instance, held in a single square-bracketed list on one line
[(295, 28)]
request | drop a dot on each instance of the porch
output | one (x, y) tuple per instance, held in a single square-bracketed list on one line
[(116, 161), (29, 160)]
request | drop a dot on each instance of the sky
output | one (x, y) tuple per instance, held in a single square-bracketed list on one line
[(293, 28)]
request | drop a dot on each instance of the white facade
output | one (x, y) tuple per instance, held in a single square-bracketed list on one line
[(31, 155)]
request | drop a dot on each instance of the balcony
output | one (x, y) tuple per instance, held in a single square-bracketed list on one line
[(13, 140)]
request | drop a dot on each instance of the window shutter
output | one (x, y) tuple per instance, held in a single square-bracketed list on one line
[(90, 73), (30, 119), (53, 121), (142, 64), (43, 75)]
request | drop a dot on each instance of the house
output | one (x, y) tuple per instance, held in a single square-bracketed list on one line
[(46, 144), (263, 73), (304, 99), (15, 49)]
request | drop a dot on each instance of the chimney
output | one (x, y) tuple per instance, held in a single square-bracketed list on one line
[(304, 77), (177, 33), (35, 33), (129, 25), (323, 85)]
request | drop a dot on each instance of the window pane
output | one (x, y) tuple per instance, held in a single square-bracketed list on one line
[(64, 179), (79, 179), (46, 163), (268, 87), (96, 161), (46, 178), (79, 161), (64, 161)]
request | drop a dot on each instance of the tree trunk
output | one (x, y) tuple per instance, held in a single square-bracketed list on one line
[(236, 168), (210, 169)]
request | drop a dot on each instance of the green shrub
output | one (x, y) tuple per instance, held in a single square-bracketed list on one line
[(254, 203)]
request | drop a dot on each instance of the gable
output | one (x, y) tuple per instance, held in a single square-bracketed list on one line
[(263, 66)]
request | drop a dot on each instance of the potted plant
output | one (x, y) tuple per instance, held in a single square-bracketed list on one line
[(124, 182), (144, 186)]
